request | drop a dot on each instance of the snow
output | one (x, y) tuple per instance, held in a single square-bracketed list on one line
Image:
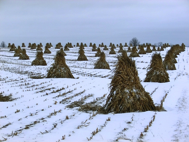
[(47, 120), (37, 114)]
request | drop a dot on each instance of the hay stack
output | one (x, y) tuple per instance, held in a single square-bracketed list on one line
[(112, 50), (29, 45), (142, 51), (126, 92), (125, 45), (82, 46), (176, 50), (158, 49), (113, 46), (23, 45), (33, 46), (144, 45), (9, 44), (135, 48), (148, 49), (110, 44), (19, 48), (134, 53), (69, 45), (47, 45), (105, 48), (85, 45), (98, 52), (172, 55), (47, 51), (120, 48), (58, 45), (13, 47), (66, 48), (94, 47), (17, 52), (101, 62), (39, 48), (154, 48), (129, 49), (23, 55), (156, 71), (124, 54), (82, 56), (41, 44), (50, 44), (39, 59), (168, 64), (59, 68), (90, 45), (139, 46), (62, 51), (77, 45), (165, 45), (102, 44), (162, 49), (183, 47)]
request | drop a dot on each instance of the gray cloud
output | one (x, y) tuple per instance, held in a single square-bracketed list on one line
[(94, 21)]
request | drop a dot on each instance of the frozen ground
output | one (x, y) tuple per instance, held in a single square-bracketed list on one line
[(39, 114)]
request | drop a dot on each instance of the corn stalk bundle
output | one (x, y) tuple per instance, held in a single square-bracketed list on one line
[(156, 71), (126, 92), (101, 63), (59, 68), (39, 59), (23, 55), (98, 52)]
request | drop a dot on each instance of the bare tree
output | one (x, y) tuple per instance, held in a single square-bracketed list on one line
[(160, 44), (155, 44), (134, 41), (3, 44)]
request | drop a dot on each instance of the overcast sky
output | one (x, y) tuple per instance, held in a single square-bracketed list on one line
[(96, 21)]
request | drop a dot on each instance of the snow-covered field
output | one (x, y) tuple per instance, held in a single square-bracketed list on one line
[(40, 112)]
